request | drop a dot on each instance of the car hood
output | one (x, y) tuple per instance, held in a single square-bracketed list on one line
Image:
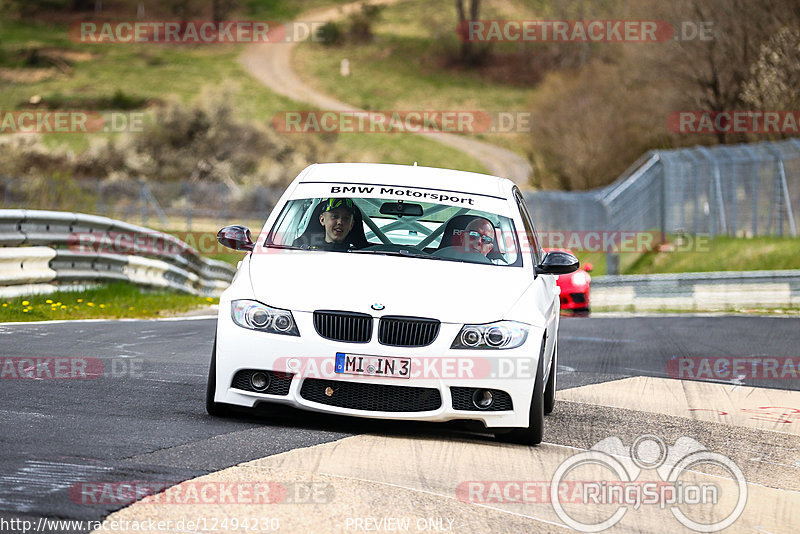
[(449, 291)]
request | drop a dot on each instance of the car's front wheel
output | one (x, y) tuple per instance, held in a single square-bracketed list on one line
[(550, 388), (217, 409), (533, 433)]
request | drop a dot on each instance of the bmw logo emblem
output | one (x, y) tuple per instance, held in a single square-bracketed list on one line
[(377, 306)]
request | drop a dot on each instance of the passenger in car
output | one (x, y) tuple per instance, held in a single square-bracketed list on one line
[(478, 236)]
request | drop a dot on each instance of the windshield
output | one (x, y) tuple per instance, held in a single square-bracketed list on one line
[(385, 226)]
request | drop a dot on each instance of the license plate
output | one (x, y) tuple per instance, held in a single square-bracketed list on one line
[(362, 364)]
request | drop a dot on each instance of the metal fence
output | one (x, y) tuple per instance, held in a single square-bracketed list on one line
[(736, 190), (174, 205)]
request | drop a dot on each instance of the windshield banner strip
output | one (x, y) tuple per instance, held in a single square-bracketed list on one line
[(483, 202)]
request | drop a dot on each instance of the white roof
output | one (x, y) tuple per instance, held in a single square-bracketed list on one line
[(407, 175)]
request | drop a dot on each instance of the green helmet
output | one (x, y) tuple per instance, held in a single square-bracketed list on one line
[(331, 204)]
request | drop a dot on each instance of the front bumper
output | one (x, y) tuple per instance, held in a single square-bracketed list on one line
[(575, 300), (441, 378)]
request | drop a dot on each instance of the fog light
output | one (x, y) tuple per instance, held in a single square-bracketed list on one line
[(482, 399), (259, 381)]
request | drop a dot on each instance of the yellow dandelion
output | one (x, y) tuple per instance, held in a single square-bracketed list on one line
[(25, 302), (58, 303), (102, 305), (80, 300), (90, 303), (130, 308), (5, 305), (209, 299), (63, 307), (25, 310), (49, 301)]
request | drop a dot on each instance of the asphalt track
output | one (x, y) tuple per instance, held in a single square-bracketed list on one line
[(143, 418)]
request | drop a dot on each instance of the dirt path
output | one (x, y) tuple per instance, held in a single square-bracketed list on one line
[(270, 63)]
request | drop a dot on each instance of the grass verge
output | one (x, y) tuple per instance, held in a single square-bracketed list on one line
[(152, 72), (404, 68), (792, 311), (109, 301), (701, 255)]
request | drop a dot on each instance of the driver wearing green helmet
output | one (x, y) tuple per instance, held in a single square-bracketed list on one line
[(337, 218)]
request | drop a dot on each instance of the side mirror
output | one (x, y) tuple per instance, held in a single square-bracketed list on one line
[(557, 262), (236, 237), (588, 267)]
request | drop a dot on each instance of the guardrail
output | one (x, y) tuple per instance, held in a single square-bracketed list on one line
[(42, 248), (697, 291)]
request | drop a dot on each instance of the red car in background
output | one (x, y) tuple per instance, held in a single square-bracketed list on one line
[(574, 287)]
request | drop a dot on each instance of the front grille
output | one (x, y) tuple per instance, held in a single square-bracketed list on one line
[(407, 331), (372, 397), (343, 326), (578, 298), (278, 385), (462, 400)]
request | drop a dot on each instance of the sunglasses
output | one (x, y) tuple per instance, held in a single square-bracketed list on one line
[(485, 239)]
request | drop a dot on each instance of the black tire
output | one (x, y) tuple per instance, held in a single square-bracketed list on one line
[(533, 433), (550, 388), (217, 409)]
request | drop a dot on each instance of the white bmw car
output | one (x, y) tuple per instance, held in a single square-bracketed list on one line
[(398, 292)]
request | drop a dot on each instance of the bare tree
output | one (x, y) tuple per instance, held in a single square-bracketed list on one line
[(711, 72), (774, 82), (468, 54), (220, 9)]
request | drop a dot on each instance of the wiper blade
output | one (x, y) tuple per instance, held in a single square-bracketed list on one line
[(287, 247), (403, 253)]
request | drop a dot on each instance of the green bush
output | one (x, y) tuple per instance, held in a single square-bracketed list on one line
[(330, 34)]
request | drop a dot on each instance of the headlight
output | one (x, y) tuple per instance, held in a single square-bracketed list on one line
[(256, 316), (499, 335), (580, 278)]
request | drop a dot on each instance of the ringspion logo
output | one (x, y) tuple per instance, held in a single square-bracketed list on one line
[(699, 503)]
